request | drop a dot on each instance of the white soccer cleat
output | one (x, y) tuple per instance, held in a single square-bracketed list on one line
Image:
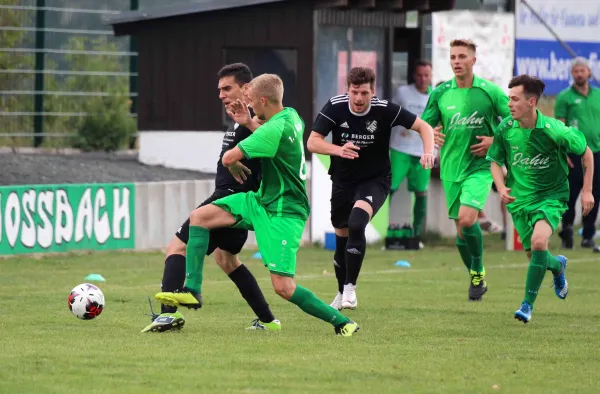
[(337, 302), (349, 300)]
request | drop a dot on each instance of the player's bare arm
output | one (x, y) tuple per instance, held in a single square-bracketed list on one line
[(587, 199), (240, 113), (426, 133), (232, 160), (316, 144), (498, 176)]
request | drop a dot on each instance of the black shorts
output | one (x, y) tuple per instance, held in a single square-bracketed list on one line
[(343, 197), (231, 240), (494, 188)]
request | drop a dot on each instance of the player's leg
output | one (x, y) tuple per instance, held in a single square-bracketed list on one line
[(230, 242), (575, 183), (279, 240), (418, 183), (173, 278), (452, 193), (202, 220), (400, 163), (309, 303), (341, 206), (370, 197), (543, 223), (474, 193)]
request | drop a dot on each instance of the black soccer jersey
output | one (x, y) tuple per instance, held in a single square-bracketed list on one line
[(369, 130), (224, 180)]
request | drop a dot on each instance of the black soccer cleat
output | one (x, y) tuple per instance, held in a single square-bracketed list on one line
[(477, 287)]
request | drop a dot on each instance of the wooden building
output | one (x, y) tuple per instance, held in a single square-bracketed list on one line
[(310, 43)]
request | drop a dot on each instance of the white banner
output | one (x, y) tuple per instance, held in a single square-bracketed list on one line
[(573, 20), (576, 22), (492, 32)]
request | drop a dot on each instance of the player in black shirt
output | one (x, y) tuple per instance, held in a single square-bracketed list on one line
[(226, 243), (360, 169)]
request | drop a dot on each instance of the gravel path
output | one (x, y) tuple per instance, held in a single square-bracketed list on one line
[(35, 169)]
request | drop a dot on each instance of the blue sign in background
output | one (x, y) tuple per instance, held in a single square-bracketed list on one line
[(550, 62)]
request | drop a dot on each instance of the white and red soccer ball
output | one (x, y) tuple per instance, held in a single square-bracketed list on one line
[(86, 301)]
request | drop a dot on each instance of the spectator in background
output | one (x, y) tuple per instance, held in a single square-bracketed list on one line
[(578, 106), (406, 146)]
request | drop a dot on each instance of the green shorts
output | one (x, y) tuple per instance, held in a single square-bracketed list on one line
[(408, 166), (472, 192), (278, 238), (525, 218)]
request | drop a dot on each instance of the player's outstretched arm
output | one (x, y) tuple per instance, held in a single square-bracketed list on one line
[(427, 136), (316, 144), (587, 198)]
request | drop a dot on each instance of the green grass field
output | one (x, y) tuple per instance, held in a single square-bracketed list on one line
[(418, 332)]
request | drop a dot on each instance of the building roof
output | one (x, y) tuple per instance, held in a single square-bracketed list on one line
[(182, 9)]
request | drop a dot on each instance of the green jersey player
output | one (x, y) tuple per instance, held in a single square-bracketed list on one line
[(467, 109), (277, 212), (534, 149)]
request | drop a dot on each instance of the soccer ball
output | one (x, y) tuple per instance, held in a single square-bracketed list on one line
[(86, 301)]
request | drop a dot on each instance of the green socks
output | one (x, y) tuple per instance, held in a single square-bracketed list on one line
[(474, 239), (419, 212), (535, 274), (309, 303), (463, 249), (553, 264), (195, 251)]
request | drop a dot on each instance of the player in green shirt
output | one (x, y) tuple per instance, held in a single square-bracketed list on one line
[(277, 212), (467, 108), (578, 106), (534, 150)]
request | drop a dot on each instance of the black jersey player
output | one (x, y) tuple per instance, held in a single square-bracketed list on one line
[(360, 170), (225, 243)]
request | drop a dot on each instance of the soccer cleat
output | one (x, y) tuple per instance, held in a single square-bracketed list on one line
[(347, 329), (588, 243), (561, 287), (183, 297), (566, 235), (349, 300), (337, 301), (166, 322), (524, 312), (275, 325), (489, 226), (478, 286)]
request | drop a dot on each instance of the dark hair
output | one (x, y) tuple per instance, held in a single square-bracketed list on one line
[(423, 63), (361, 75), (239, 71), (532, 86), (463, 42)]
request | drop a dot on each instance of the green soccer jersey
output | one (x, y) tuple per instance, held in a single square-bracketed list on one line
[(536, 159), (582, 113), (464, 114), (279, 144)]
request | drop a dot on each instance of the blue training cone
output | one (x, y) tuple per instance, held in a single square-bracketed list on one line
[(95, 278), (402, 263), (257, 255)]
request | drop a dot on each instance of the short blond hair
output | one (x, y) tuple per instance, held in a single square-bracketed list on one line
[(269, 86), (463, 42)]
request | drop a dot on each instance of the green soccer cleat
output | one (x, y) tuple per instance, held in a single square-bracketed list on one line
[(275, 325), (347, 329), (183, 297), (166, 322), (478, 286)]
